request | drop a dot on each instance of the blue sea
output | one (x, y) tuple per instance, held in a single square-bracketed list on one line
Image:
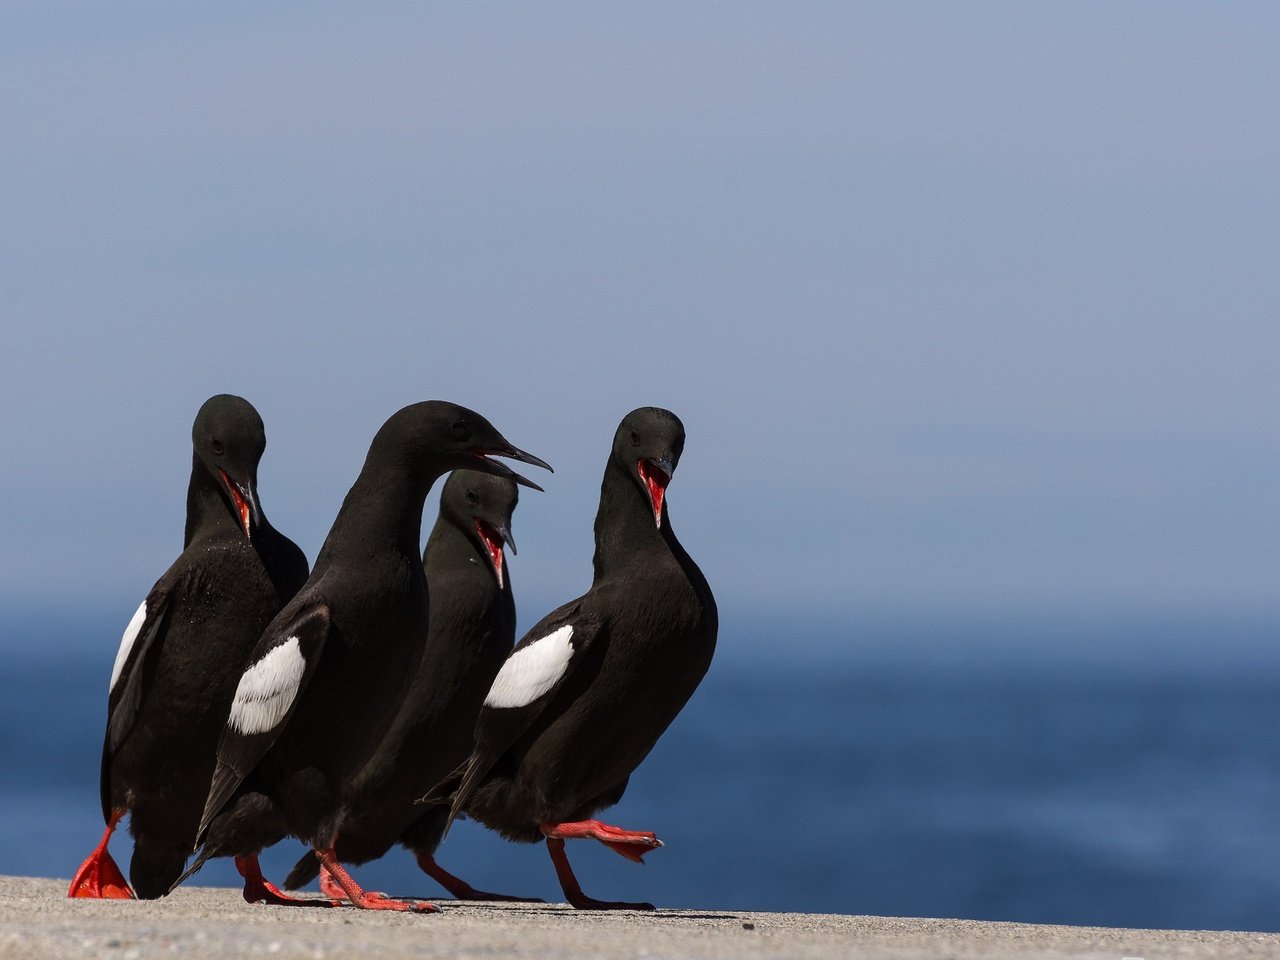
[(1120, 781)]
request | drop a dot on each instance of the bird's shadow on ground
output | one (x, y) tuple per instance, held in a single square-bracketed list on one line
[(563, 910)]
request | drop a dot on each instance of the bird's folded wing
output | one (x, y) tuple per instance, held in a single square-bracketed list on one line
[(529, 679), (129, 676), (282, 663)]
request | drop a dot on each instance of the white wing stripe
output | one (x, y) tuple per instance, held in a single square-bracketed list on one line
[(267, 689), (126, 642), (531, 671)]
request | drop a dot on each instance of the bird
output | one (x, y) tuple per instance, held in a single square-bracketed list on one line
[(327, 677), (182, 654), (587, 692), (472, 629)]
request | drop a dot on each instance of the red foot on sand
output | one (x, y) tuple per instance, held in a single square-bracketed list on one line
[(333, 889), (363, 899), (459, 887), (257, 889), (99, 878)]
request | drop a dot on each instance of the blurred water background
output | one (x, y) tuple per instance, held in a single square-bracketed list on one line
[(1112, 770)]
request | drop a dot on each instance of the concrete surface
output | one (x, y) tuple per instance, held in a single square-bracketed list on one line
[(36, 920)]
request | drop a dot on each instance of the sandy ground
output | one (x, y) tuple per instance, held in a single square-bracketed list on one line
[(36, 920)]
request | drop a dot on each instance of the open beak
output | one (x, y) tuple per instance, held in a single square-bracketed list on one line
[(656, 474), (499, 469), (245, 501), (493, 538)]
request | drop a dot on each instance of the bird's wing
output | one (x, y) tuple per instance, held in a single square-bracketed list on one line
[(529, 679), (282, 663), (129, 678)]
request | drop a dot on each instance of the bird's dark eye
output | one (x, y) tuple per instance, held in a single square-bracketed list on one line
[(472, 499), (459, 430), (217, 447), (635, 439)]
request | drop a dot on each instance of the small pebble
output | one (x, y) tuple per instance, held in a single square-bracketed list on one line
[(748, 926)]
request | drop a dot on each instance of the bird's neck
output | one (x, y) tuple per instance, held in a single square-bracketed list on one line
[(624, 523), (207, 512), (455, 557), (448, 537), (381, 514)]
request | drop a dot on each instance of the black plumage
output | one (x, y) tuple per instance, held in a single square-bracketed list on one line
[(472, 629), (181, 659), (329, 673), (588, 691)]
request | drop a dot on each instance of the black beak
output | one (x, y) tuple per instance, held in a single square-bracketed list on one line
[(502, 531), (499, 469), (664, 464)]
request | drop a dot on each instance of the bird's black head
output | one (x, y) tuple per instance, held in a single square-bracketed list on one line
[(648, 445), (228, 439), (434, 437), (482, 506)]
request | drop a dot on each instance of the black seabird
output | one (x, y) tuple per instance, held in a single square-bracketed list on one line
[(329, 673), (585, 695), (473, 626), (182, 654)]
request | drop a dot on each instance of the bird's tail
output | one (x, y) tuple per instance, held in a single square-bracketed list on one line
[(192, 870), (455, 789), (223, 786), (304, 871)]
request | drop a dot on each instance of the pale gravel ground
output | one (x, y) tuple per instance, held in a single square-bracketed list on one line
[(36, 920)]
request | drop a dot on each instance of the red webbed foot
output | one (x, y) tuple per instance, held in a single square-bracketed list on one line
[(257, 889), (363, 899), (632, 844), (99, 877), (459, 888), (331, 888)]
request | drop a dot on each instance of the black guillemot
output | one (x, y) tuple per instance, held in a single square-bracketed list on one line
[(182, 655), (587, 692)]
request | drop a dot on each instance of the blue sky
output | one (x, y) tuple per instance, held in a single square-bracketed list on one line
[(966, 307)]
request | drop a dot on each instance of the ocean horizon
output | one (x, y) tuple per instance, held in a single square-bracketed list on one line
[(1131, 778)]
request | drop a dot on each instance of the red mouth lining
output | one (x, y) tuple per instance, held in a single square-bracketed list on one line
[(655, 482), (242, 505), (493, 546)]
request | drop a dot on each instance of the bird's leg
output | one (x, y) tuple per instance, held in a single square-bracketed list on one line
[(573, 892), (362, 899), (329, 886), (632, 844), (459, 887), (99, 877), (257, 889)]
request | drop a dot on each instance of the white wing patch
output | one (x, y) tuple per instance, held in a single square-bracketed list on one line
[(267, 689), (126, 642), (532, 671)]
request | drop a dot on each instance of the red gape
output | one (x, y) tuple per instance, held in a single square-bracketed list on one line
[(655, 482), (257, 889), (242, 506), (492, 546), (360, 898), (632, 844), (98, 877)]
